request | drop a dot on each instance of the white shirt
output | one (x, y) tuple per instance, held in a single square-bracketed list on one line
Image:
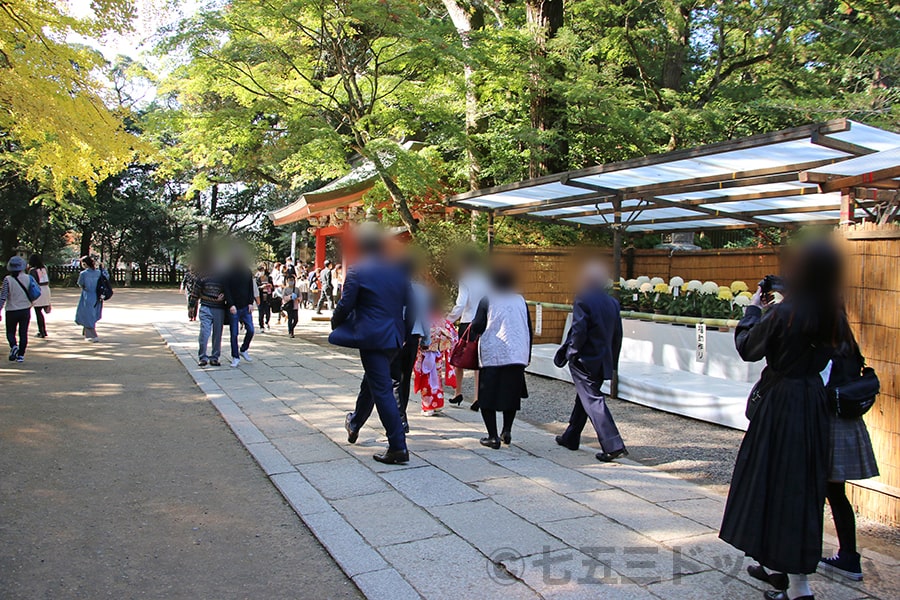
[(473, 286)]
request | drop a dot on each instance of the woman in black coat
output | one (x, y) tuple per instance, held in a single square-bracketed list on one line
[(775, 504)]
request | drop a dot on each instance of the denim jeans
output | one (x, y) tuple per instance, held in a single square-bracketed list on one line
[(212, 320), (241, 316)]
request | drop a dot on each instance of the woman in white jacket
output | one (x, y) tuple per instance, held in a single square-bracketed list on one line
[(473, 286)]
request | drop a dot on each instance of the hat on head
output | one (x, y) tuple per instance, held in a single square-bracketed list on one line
[(16, 263)]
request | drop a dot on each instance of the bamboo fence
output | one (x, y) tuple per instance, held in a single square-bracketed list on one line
[(873, 299), (550, 275)]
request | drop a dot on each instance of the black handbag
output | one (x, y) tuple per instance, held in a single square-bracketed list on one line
[(853, 399)]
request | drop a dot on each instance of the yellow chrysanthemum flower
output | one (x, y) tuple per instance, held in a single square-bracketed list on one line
[(738, 286)]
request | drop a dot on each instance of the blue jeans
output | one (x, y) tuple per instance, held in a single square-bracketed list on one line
[(377, 392), (212, 320), (241, 316)]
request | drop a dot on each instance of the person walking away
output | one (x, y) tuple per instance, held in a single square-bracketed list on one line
[(592, 351), (265, 301), (43, 304), (851, 458), (374, 315), (326, 283), (313, 286), (14, 297), (90, 305), (473, 286), (240, 294), (432, 368), (774, 511), (290, 301), (187, 284), (504, 350), (209, 291), (404, 362)]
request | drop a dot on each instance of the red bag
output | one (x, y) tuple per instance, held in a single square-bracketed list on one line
[(464, 354)]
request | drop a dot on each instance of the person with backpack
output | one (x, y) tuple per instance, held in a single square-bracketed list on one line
[(16, 295), (40, 274), (93, 283)]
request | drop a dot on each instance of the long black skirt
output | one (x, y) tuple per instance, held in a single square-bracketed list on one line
[(776, 501), (502, 388)]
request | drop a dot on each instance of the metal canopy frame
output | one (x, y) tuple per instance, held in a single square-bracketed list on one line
[(751, 182), (781, 179)]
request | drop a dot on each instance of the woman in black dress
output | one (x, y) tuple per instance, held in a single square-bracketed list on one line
[(504, 350), (775, 505)]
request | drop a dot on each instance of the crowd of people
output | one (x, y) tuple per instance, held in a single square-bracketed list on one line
[(797, 450), (27, 287)]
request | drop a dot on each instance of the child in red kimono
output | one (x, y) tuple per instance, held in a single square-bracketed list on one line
[(433, 370)]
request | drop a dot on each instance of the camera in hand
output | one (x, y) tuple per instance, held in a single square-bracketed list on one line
[(769, 285)]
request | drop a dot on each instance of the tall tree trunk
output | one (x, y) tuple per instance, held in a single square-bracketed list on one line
[(678, 24), (87, 235), (547, 108), (467, 19)]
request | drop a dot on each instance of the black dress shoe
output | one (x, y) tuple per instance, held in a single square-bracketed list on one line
[(352, 434), (490, 442), (778, 595), (457, 399), (779, 581), (393, 457), (475, 406), (562, 442), (611, 456), (405, 426), (506, 437)]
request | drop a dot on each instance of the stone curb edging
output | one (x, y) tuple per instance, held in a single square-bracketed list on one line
[(374, 577)]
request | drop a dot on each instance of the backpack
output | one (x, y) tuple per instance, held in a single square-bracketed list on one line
[(33, 291), (104, 288)]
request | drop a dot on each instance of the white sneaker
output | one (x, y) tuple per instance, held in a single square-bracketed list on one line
[(427, 413), (235, 362), (95, 339), (246, 356)]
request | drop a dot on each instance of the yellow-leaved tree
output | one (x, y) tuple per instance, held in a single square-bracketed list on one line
[(55, 127)]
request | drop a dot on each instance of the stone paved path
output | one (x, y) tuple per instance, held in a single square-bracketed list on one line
[(462, 521)]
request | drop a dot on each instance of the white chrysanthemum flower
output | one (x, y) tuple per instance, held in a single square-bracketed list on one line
[(621, 282), (742, 300), (646, 287), (643, 279), (693, 285), (632, 284), (656, 281), (676, 282), (709, 287)]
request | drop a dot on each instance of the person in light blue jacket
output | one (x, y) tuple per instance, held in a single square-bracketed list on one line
[(90, 307)]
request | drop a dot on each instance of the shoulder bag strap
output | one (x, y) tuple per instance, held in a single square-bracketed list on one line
[(22, 285)]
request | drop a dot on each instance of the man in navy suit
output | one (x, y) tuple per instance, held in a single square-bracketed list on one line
[(592, 351), (372, 316)]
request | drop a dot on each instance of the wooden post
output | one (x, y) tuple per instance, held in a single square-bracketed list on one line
[(617, 273), (320, 248), (848, 204), (490, 232)]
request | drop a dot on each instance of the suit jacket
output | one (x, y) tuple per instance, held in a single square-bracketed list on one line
[(595, 339), (372, 313)]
